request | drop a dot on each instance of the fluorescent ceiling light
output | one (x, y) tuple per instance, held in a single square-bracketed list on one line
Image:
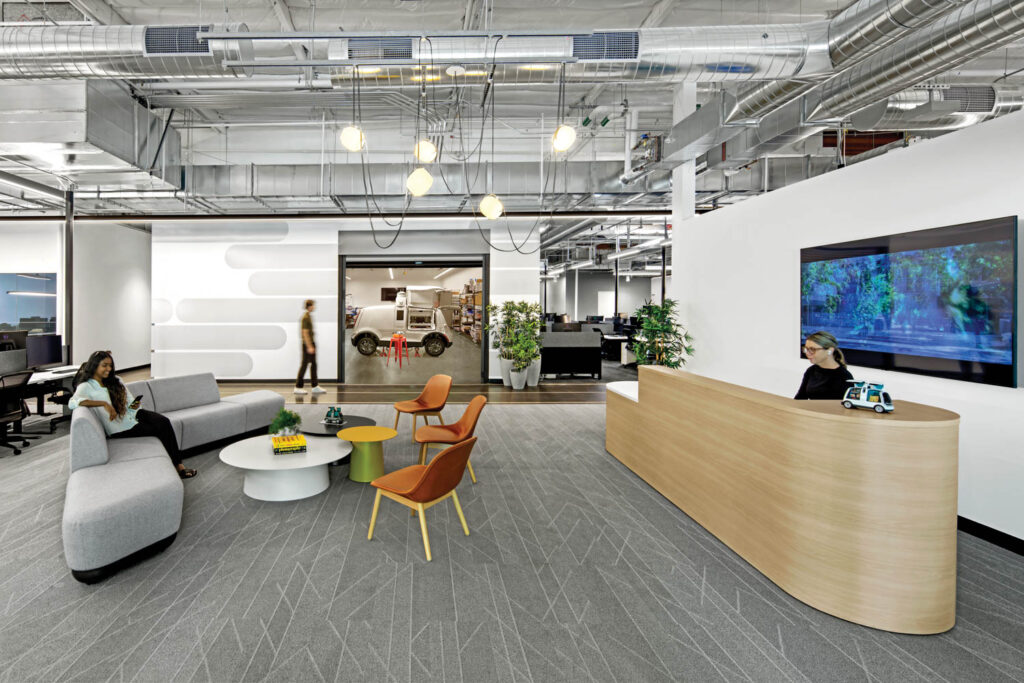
[(581, 264), (34, 277), (17, 293), (443, 272), (348, 277), (475, 73), (657, 268), (427, 77), (391, 273)]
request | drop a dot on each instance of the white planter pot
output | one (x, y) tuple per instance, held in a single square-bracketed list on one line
[(519, 379), (288, 431), (533, 373), (506, 369)]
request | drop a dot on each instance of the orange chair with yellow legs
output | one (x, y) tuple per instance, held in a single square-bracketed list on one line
[(430, 402), (419, 487), (446, 435)]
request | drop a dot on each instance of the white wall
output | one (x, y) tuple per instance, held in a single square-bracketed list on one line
[(738, 273), (34, 248), (112, 296), (515, 273)]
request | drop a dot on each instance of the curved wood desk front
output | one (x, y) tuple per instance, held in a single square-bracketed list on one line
[(851, 512)]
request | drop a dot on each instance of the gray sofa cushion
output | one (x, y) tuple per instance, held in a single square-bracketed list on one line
[(203, 424), (175, 393), (261, 406), (88, 439), (141, 388), (136, 448), (113, 511)]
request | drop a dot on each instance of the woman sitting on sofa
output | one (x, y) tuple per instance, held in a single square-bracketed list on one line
[(97, 386)]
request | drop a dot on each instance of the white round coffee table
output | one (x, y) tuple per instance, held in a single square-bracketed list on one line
[(284, 477)]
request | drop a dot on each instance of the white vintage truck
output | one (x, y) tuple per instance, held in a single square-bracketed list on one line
[(415, 314)]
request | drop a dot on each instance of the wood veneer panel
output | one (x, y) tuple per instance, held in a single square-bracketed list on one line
[(851, 512)]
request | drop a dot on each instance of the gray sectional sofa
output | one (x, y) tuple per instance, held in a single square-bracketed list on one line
[(124, 497)]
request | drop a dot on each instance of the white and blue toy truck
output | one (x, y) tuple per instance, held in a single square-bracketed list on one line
[(868, 395)]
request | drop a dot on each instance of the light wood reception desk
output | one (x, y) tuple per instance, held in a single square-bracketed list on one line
[(852, 512)]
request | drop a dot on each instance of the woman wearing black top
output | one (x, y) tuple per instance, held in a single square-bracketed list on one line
[(826, 378)]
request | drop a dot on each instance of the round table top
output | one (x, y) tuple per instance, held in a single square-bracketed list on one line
[(257, 453), (321, 429), (367, 434)]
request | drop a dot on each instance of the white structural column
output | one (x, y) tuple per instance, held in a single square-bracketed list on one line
[(684, 184)]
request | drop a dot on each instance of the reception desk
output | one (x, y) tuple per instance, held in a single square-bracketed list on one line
[(852, 512)]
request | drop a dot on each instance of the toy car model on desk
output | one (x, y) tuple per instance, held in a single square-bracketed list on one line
[(868, 395)]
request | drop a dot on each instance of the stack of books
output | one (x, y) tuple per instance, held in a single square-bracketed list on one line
[(288, 444)]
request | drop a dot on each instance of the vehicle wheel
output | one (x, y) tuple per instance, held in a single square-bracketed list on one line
[(367, 345), (847, 404), (879, 409), (434, 346)]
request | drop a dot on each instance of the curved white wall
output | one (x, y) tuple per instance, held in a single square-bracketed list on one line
[(737, 275)]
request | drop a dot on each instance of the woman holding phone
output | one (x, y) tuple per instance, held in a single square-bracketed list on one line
[(96, 386)]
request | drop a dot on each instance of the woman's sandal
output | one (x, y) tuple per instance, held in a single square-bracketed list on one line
[(187, 473)]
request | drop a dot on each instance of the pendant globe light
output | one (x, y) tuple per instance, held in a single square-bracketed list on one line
[(563, 138), (419, 181), (491, 207), (352, 138), (425, 151)]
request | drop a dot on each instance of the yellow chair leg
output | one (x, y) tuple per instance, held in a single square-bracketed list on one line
[(472, 476), (413, 438), (373, 517), (458, 509), (423, 454), (397, 415), (423, 528), (440, 419)]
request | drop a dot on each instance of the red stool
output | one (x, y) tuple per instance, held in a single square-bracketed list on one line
[(398, 343)]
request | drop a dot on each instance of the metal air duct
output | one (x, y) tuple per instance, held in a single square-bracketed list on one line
[(858, 31), (939, 108), (120, 52), (979, 27)]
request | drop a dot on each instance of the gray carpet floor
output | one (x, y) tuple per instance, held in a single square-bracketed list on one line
[(575, 570)]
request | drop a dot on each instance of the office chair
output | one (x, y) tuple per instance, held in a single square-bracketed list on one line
[(12, 407)]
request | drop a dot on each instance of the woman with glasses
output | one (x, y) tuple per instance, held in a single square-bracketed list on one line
[(827, 377)]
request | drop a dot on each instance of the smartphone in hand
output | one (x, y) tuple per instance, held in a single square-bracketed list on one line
[(136, 403)]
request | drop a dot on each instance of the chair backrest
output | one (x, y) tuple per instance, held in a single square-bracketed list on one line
[(435, 393), (443, 473), (88, 438), (467, 423), (12, 391)]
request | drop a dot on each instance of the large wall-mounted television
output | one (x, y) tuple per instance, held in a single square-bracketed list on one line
[(939, 302)]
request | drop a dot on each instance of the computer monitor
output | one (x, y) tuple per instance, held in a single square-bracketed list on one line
[(12, 340), (566, 327), (44, 349)]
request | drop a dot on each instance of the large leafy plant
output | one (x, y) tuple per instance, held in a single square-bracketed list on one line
[(285, 419), (515, 330), (661, 340)]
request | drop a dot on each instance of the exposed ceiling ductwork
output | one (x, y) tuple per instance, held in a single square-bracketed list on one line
[(939, 108), (972, 30), (115, 52)]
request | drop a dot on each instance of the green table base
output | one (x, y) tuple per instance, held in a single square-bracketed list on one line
[(367, 461)]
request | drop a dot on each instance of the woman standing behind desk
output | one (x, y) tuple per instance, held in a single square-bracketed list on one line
[(827, 377)]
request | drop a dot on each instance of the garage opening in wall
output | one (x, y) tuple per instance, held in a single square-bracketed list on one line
[(437, 306)]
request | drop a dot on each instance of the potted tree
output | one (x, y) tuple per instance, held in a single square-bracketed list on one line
[(524, 350), (531, 325), (661, 340), (502, 327)]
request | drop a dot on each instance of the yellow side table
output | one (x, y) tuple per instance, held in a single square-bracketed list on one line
[(367, 461)]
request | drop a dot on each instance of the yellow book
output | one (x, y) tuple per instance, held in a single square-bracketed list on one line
[(295, 443)]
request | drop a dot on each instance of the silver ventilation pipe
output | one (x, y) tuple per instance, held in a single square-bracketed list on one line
[(939, 108), (120, 52), (979, 27), (855, 33)]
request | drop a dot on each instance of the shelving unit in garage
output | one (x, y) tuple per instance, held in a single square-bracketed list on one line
[(471, 310)]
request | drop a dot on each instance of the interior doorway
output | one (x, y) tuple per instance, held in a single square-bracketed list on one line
[(438, 307)]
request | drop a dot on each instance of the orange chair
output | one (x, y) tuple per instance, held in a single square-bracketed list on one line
[(447, 435), (419, 487), (430, 402)]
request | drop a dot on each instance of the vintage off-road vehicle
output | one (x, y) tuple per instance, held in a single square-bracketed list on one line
[(414, 314)]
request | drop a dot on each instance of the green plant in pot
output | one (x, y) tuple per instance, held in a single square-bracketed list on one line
[(661, 339), (531, 326), (503, 325), (524, 352), (285, 423)]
